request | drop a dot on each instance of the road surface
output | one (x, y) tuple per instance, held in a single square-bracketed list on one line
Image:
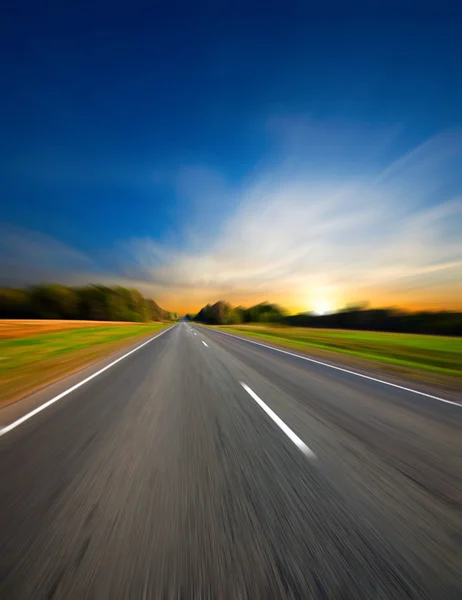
[(202, 466)]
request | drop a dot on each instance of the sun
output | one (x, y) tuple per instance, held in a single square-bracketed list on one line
[(322, 307)]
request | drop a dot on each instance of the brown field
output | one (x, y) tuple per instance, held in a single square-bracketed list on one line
[(11, 329), (34, 353)]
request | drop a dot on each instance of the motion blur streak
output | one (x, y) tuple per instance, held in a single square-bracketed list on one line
[(34, 412), (160, 478)]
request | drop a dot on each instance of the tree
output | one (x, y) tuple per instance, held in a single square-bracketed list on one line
[(15, 304), (353, 317), (52, 301), (92, 302)]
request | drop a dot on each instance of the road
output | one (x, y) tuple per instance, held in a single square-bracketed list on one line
[(165, 477)]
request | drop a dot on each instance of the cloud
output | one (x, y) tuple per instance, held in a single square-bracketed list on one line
[(389, 236), (294, 231), (28, 257)]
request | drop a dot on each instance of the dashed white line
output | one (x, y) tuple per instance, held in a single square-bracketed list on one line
[(34, 412), (280, 423), (205, 343), (319, 362), (195, 333)]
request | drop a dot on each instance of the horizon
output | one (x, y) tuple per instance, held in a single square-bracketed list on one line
[(313, 163), (320, 311)]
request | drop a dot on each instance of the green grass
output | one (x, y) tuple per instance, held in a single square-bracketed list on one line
[(429, 353), (32, 361)]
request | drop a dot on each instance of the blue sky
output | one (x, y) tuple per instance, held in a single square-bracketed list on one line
[(179, 153)]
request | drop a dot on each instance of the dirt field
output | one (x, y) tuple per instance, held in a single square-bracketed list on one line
[(19, 328), (35, 353)]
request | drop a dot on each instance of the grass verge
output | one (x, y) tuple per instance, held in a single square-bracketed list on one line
[(431, 357), (35, 353)]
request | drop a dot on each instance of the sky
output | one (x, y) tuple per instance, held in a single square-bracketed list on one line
[(303, 156)]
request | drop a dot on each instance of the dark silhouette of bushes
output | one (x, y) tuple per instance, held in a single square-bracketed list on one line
[(385, 319), (91, 302), (381, 319), (221, 313)]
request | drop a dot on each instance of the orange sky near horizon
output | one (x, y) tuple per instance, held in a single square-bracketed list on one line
[(433, 300)]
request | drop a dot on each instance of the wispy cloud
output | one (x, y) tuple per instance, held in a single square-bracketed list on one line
[(28, 257), (295, 231), (391, 237)]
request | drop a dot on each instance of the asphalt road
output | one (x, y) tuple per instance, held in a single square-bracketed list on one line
[(163, 477)]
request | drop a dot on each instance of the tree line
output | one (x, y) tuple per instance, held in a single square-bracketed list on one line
[(381, 319), (90, 302), (221, 313)]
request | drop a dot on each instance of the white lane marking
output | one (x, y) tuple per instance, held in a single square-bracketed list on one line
[(319, 362), (34, 412), (205, 344), (195, 333), (280, 423)]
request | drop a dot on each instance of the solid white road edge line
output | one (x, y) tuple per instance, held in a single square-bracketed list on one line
[(319, 362), (280, 423), (205, 343), (34, 412)]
